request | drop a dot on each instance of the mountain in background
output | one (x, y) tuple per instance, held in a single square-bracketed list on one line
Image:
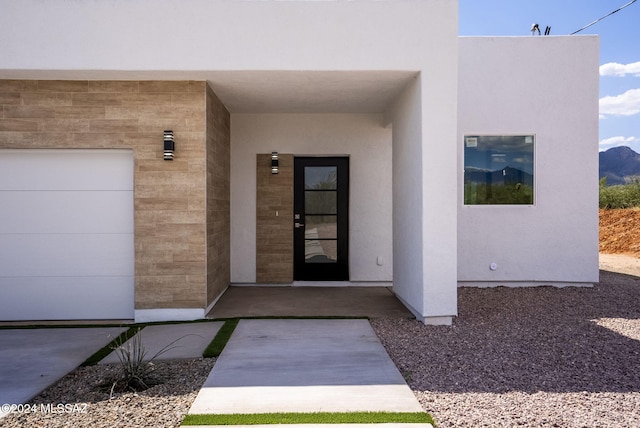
[(619, 164)]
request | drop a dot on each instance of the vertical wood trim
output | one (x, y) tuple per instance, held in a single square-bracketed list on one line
[(274, 233)]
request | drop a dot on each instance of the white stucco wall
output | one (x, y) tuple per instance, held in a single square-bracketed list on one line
[(406, 116), (367, 143), (424, 183), (192, 35), (547, 87)]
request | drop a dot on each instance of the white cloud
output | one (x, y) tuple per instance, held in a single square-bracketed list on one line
[(626, 104), (620, 70), (608, 143)]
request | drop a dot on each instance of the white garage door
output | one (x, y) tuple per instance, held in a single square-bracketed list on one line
[(66, 234)]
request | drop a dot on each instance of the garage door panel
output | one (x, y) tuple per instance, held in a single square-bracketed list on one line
[(65, 212), (66, 255), (61, 169), (66, 235), (66, 298)]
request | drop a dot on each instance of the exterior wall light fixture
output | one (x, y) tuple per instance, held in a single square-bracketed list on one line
[(274, 162), (169, 145)]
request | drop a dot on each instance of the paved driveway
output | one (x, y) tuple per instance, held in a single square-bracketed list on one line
[(33, 359)]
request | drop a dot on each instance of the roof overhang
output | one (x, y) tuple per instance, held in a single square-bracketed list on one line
[(360, 91)]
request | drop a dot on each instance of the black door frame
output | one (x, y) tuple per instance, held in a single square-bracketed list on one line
[(338, 271)]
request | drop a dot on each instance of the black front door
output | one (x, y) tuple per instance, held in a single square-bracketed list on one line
[(321, 219)]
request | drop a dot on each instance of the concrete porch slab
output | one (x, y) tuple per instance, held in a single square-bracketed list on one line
[(304, 366), (191, 340), (282, 301)]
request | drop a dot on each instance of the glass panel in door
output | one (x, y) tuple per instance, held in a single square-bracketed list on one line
[(321, 218)]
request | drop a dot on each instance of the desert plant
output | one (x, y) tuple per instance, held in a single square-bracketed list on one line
[(136, 366)]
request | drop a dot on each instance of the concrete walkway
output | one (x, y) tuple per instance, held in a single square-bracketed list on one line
[(190, 339), (302, 366), (33, 359), (269, 365)]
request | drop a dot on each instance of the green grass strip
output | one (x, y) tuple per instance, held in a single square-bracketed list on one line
[(222, 337), (109, 347), (309, 418)]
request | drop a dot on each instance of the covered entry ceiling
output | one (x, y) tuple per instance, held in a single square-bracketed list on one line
[(309, 91)]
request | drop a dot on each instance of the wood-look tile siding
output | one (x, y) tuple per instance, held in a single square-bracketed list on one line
[(274, 233), (218, 197), (172, 251)]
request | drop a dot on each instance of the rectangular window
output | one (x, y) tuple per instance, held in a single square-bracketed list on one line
[(498, 169)]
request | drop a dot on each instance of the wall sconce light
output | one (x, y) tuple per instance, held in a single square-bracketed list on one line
[(169, 145), (274, 162)]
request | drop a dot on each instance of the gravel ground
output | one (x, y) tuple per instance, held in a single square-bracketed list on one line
[(162, 406), (533, 357)]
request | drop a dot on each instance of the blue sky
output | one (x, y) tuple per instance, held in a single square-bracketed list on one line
[(619, 49)]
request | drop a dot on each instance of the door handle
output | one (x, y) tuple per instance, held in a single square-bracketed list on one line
[(297, 225)]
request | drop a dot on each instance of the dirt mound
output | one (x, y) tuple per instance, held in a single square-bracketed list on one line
[(620, 231)]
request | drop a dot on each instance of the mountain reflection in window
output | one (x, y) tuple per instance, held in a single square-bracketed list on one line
[(498, 170)]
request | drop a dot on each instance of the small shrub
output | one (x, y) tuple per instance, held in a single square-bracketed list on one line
[(620, 196)]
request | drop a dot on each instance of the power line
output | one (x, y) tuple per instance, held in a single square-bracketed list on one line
[(600, 19)]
